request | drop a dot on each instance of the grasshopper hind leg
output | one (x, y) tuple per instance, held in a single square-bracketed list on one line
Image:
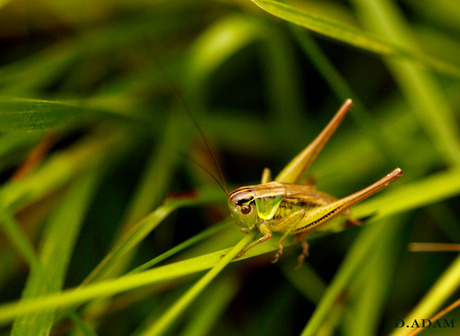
[(305, 248)]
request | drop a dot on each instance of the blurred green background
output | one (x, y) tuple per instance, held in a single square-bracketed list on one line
[(95, 98)]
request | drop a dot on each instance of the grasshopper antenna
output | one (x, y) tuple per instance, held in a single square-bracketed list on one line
[(202, 167), (220, 178)]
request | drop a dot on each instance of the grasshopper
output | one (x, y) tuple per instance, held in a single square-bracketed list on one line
[(287, 207)]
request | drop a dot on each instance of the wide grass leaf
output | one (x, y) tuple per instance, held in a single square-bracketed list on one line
[(350, 35), (57, 245), (19, 114)]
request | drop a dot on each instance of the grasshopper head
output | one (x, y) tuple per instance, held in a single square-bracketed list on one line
[(243, 208)]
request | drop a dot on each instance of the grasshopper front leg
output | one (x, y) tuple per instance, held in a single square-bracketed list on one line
[(266, 231), (285, 225)]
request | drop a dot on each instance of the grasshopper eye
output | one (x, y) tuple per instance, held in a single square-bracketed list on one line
[(245, 209)]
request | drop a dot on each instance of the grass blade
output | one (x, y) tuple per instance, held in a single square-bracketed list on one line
[(160, 326), (350, 35), (19, 240), (32, 115), (212, 306), (57, 245), (182, 246)]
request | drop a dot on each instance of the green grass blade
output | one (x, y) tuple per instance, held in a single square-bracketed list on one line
[(212, 306), (350, 35), (18, 114), (306, 280), (369, 298), (163, 323), (182, 246), (19, 240), (84, 328), (33, 115), (214, 47), (327, 27), (56, 248)]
